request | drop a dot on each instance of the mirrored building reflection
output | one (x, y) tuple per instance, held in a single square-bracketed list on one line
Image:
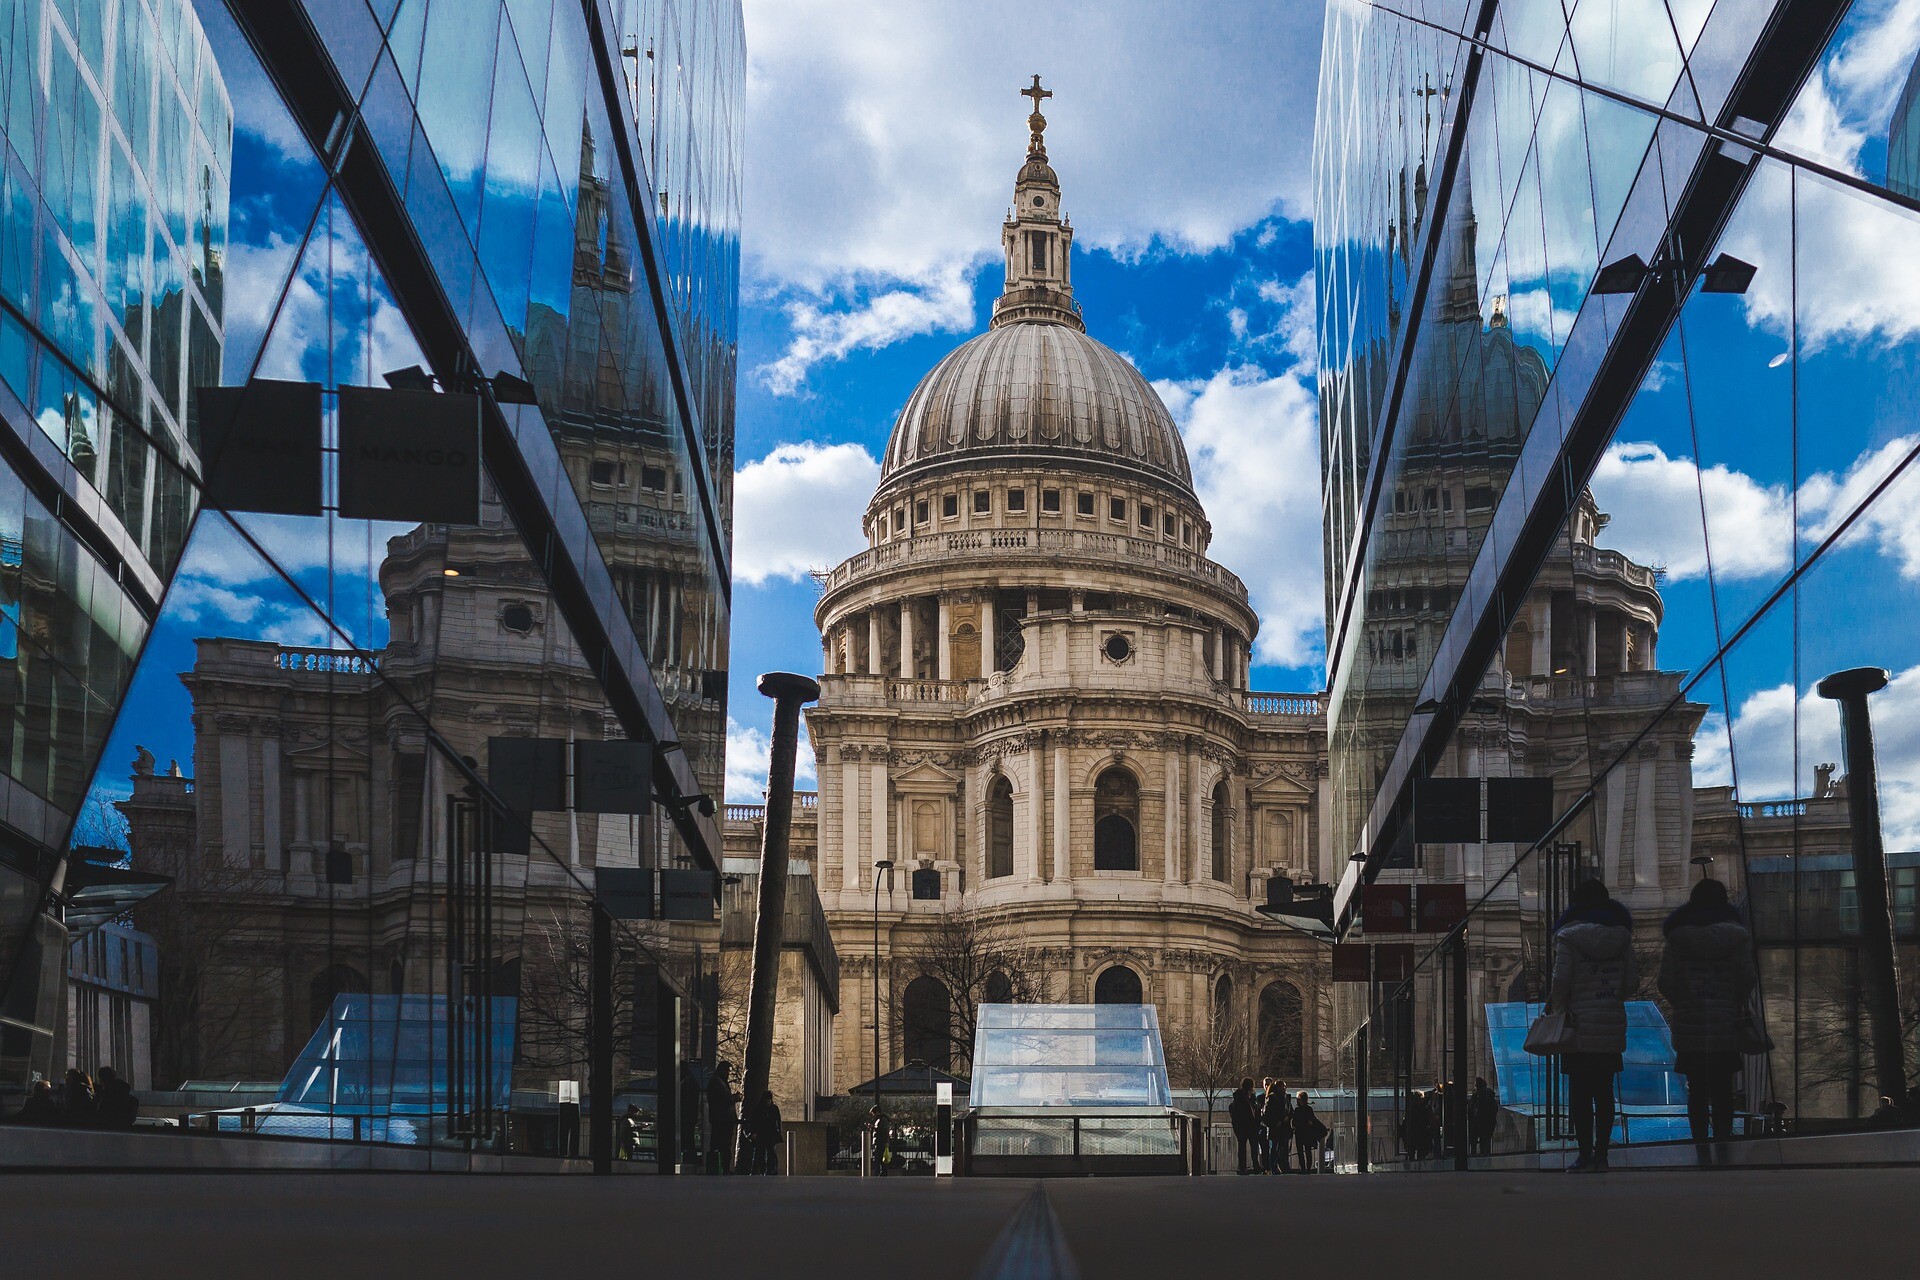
[(1612, 410), (350, 857)]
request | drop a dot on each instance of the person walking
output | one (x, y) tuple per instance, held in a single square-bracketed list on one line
[(1593, 973), (1276, 1126), (1483, 1115), (1707, 976), (1419, 1125), (1308, 1133), (723, 1116), (881, 1145), (769, 1132), (1243, 1115)]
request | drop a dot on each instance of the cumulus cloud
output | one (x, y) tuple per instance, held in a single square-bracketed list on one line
[(1253, 440), (1655, 501), (748, 754), (884, 138), (1771, 725), (798, 509), (943, 303)]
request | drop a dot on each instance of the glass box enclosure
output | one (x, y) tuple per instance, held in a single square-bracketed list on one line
[(1069, 1055), (1072, 1088)]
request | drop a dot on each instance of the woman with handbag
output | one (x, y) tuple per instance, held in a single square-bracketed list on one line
[(1708, 977), (1593, 974)]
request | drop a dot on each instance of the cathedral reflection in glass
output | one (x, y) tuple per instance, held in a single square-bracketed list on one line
[(1618, 360), (289, 719)]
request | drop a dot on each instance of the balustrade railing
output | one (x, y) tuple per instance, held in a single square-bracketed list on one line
[(341, 662), (943, 546)]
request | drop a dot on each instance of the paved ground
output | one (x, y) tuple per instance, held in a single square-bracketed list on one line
[(1622, 1226)]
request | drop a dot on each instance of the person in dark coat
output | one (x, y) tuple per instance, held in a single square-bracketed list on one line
[(77, 1103), (1276, 1126), (118, 1107), (1419, 1125), (768, 1133), (1708, 977), (723, 1115), (1593, 974), (1243, 1115), (881, 1145), (1483, 1115), (1308, 1133), (39, 1108)]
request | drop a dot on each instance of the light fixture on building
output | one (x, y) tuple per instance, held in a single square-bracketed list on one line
[(1624, 275), (1726, 274), (449, 572)]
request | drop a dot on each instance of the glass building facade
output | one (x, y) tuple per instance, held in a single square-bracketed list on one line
[(294, 717), (1617, 361)]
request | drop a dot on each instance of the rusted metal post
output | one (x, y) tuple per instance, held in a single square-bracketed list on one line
[(788, 692)]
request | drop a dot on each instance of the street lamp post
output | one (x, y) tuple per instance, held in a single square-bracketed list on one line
[(880, 868)]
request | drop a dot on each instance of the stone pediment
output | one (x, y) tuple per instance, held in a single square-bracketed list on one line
[(1291, 780), (926, 777)]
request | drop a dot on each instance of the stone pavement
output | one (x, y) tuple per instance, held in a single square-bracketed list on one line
[(1855, 1223)]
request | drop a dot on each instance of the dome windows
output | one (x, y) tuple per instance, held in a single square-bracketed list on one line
[(1083, 503), (1016, 499), (982, 502), (949, 506), (1049, 502), (1117, 509)]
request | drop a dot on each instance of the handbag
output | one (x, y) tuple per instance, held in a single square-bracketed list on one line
[(1749, 1037), (1550, 1033)]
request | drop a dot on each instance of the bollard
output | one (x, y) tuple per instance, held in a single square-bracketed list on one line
[(788, 692)]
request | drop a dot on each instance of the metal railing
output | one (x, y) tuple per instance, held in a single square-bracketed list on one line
[(342, 661)]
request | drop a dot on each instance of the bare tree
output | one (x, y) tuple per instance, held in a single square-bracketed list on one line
[(980, 958), (207, 1012), (1208, 1055)]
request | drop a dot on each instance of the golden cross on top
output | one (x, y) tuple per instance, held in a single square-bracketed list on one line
[(1036, 93)]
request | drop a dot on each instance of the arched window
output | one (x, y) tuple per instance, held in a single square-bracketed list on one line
[(1118, 985), (334, 980), (999, 988), (1116, 821), (926, 1023), (1220, 832), (999, 828), (1282, 1032)]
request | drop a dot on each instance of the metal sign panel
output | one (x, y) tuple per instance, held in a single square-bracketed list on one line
[(687, 895), (1386, 908), (260, 447), (625, 892), (409, 456), (1446, 810), (1519, 810), (1442, 906), (1350, 961), (530, 774), (1393, 961), (612, 777)]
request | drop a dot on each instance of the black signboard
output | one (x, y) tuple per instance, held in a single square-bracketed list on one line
[(626, 892), (1446, 810), (1519, 810), (409, 456), (687, 895), (529, 775), (260, 447), (612, 777)]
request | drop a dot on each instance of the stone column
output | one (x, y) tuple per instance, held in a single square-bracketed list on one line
[(1593, 643), (1170, 770), (875, 665), (989, 649), (1542, 664), (1036, 799), (1219, 655), (1062, 821), (944, 671), (878, 805), (270, 831), (853, 875), (907, 670), (1200, 861)]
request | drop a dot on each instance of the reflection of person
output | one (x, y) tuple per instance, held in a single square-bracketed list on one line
[(118, 1107), (1419, 1125), (1593, 971), (1308, 1133), (1707, 975), (39, 1108), (630, 1133), (1483, 1114), (1276, 1125), (882, 1131), (723, 1115), (768, 1130), (77, 1104)]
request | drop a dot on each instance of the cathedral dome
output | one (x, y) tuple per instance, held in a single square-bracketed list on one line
[(1036, 392)]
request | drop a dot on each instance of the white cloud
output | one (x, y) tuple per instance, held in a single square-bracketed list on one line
[(1771, 728), (883, 139), (1295, 332), (216, 610), (1655, 503), (1254, 443), (943, 303), (799, 509), (748, 753)]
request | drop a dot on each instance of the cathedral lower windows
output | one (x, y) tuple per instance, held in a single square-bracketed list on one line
[(999, 828), (1118, 985)]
